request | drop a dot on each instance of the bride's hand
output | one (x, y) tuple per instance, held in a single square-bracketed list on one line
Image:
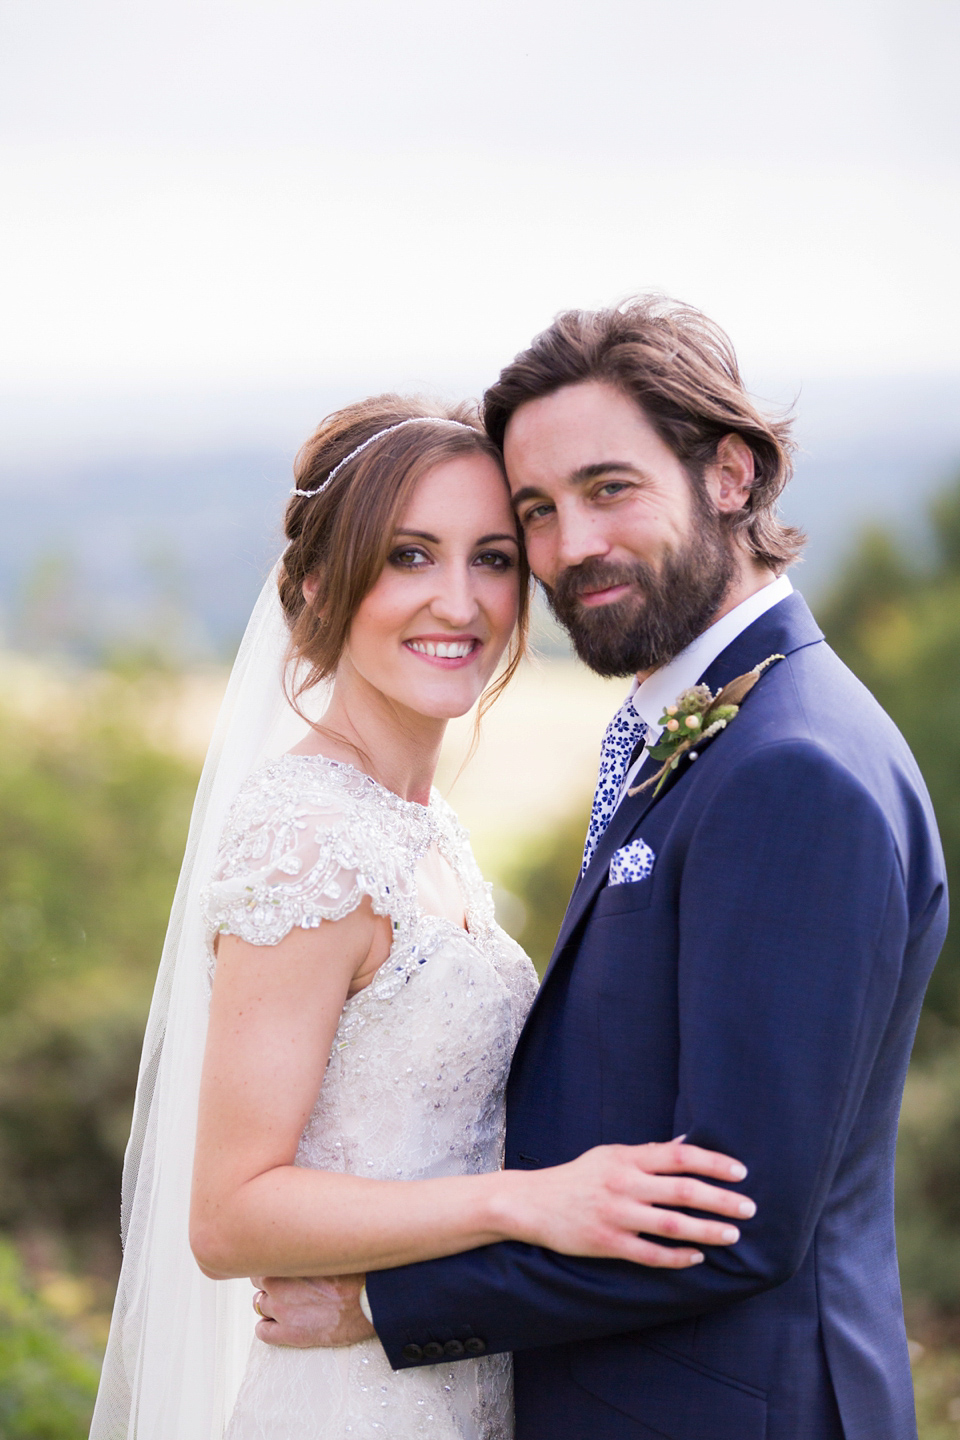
[(303, 1313), (607, 1200)]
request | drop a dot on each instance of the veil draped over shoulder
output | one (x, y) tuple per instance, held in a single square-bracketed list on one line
[(179, 1341)]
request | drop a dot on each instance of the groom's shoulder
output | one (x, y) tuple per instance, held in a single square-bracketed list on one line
[(809, 691), (813, 724), (812, 694)]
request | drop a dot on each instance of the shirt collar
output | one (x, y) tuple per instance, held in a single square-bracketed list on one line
[(652, 696)]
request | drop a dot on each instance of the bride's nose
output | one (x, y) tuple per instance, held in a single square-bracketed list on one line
[(455, 600)]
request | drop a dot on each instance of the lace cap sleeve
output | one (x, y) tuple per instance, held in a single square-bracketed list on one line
[(302, 844)]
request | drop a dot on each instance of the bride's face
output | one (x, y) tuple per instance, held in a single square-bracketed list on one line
[(430, 633)]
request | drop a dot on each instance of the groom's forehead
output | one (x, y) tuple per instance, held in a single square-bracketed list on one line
[(575, 434)]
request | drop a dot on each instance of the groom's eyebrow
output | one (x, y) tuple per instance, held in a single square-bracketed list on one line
[(602, 467), (580, 476)]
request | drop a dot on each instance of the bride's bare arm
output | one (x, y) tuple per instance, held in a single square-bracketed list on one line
[(274, 1014)]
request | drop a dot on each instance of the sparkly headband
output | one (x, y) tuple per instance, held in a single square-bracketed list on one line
[(414, 420)]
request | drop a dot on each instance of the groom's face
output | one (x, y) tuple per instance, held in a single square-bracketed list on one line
[(631, 554)]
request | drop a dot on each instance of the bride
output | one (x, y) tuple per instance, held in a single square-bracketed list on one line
[(336, 1008)]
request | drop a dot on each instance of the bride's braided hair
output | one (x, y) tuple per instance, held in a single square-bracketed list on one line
[(340, 536)]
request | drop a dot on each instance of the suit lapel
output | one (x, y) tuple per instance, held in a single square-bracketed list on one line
[(788, 626), (627, 814)]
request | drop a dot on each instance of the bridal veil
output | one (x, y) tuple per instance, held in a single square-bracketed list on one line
[(179, 1341)]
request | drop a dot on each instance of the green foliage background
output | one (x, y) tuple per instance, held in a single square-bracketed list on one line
[(93, 816), (93, 819), (898, 628), (47, 1384)]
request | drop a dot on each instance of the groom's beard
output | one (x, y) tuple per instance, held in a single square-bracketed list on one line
[(667, 608)]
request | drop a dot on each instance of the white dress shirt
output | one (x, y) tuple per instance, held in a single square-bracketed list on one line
[(652, 696)]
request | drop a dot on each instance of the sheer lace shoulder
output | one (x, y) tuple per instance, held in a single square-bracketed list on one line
[(305, 840)]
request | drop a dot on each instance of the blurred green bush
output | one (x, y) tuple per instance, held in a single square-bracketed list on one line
[(47, 1386), (897, 626), (543, 879), (928, 1186), (93, 818)]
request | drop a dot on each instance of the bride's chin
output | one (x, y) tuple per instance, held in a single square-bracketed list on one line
[(446, 712), (444, 707)]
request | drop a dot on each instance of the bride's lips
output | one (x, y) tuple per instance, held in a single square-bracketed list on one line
[(449, 652), (606, 596)]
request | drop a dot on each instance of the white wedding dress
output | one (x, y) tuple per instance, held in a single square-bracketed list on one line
[(414, 1087)]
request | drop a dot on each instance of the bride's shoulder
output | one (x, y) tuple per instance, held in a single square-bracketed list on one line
[(311, 781), (303, 841), (287, 805)]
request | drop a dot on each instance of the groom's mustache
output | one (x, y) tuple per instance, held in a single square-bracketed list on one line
[(595, 574), (666, 607)]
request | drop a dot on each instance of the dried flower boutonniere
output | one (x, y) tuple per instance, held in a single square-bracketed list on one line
[(697, 716)]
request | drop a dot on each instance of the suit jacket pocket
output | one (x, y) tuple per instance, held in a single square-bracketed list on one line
[(668, 1392), (620, 899)]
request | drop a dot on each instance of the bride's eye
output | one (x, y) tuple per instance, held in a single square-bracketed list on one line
[(409, 557), (494, 560)]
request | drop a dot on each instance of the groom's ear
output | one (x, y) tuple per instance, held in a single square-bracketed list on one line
[(729, 478)]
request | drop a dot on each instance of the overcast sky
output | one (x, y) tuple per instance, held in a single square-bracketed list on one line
[(255, 194)]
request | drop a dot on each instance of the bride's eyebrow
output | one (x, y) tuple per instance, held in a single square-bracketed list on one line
[(433, 539)]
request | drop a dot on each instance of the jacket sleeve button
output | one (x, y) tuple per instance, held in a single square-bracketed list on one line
[(432, 1350), (475, 1346), (412, 1352), (453, 1347)]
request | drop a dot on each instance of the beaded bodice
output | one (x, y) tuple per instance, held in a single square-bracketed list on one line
[(415, 1081)]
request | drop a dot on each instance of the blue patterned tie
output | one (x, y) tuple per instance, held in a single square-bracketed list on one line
[(624, 733)]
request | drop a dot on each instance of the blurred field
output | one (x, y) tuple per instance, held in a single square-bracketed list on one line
[(536, 760)]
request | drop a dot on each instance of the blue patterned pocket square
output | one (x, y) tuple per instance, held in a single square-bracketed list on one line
[(631, 862)]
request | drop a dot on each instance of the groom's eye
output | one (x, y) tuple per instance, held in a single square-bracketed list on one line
[(536, 512)]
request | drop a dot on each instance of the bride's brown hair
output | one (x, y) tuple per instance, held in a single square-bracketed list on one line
[(341, 538)]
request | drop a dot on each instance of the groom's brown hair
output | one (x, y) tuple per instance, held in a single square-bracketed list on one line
[(681, 369)]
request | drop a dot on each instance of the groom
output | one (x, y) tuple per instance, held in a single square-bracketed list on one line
[(746, 950)]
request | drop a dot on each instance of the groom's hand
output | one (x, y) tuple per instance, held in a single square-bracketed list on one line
[(304, 1313)]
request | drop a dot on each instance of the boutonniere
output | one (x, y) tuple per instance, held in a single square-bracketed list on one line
[(696, 716)]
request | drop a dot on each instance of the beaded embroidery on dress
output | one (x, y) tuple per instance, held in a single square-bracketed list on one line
[(415, 1084)]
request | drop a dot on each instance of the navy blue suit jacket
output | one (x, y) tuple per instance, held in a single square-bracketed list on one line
[(760, 992)]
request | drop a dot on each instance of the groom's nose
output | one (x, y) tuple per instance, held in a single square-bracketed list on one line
[(580, 535)]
